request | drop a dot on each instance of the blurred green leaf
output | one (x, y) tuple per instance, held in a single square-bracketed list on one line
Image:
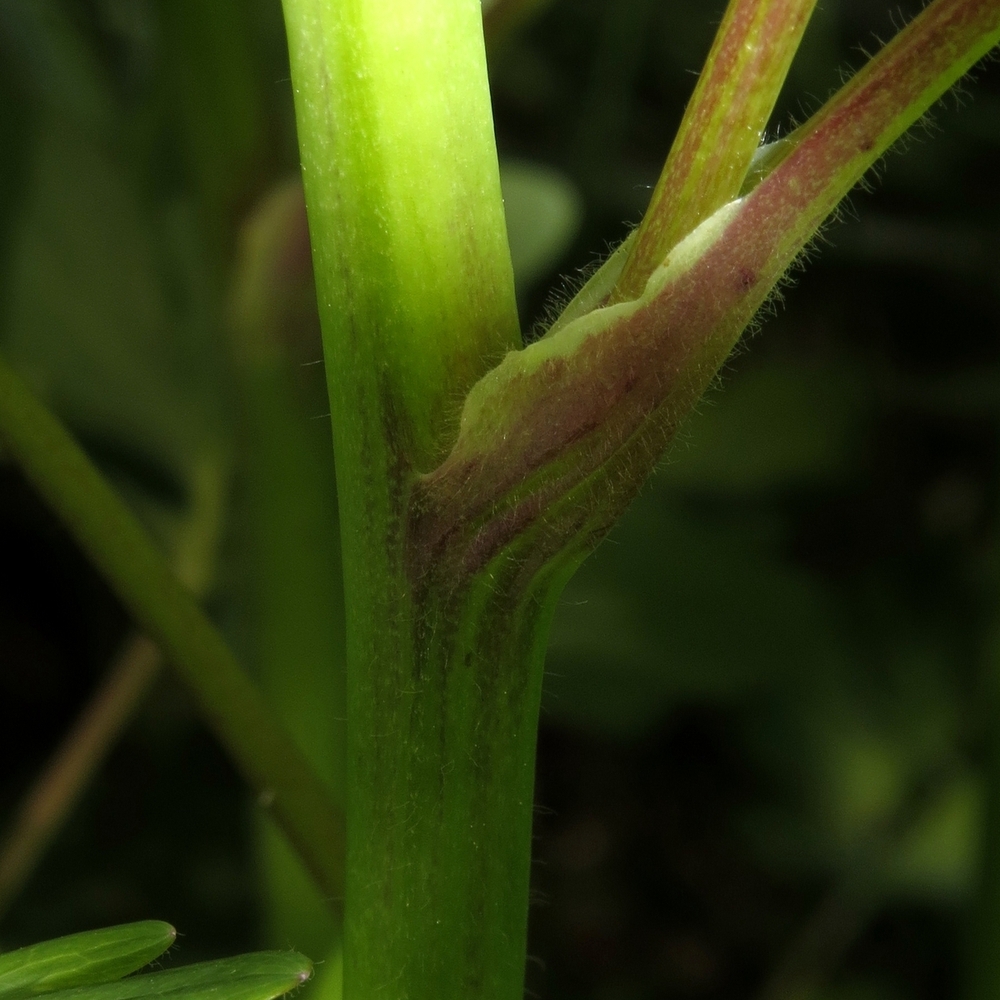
[(55, 61), (632, 638), (775, 424), (99, 314), (91, 957), (938, 857), (289, 582), (544, 211), (214, 93)]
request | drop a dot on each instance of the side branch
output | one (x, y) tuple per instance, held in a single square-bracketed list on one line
[(556, 441), (722, 127)]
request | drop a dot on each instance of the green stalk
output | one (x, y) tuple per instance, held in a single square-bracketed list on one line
[(555, 442), (416, 300), (722, 128), (110, 535), (406, 218)]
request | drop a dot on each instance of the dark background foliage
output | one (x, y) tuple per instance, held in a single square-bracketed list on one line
[(766, 715)]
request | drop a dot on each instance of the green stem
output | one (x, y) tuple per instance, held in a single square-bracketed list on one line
[(721, 130), (406, 218), (444, 744), (416, 299), (114, 540)]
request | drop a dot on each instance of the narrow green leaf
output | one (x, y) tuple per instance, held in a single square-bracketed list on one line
[(82, 959), (259, 976)]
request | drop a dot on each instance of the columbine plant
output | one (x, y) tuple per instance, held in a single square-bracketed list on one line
[(474, 473)]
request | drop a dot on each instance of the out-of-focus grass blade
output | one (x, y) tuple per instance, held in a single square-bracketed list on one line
[(259, 976), (100, 956)]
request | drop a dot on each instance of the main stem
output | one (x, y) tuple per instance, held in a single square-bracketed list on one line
[(443, 674)]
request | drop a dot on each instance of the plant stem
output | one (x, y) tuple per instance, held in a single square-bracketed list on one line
[(416, 300), (721, 130), (443, 806), (164, 608), (406, 218)]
